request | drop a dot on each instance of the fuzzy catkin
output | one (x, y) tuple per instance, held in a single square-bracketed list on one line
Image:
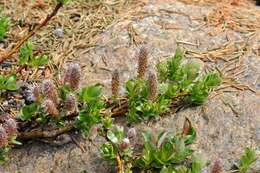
[(10, 127), (50, 91), (50, 108), (36, 91), (71, 76), (131, 134), (142, 62), (70, 103), (115, 83), (3, 137), (4, 118), (216, 167), (152, 86), (66, 75)]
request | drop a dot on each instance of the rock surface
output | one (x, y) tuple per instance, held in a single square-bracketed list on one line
[(227, 124)]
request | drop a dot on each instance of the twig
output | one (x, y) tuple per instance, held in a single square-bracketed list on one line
[(45, 134), (119, 164), (188, 43), (30, 34)]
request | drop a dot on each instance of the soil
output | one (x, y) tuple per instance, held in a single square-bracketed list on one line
[(223, 35)]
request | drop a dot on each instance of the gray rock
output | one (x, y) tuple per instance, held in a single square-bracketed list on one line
[(222, 134)]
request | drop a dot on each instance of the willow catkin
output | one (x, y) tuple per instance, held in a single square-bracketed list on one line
[(50, 91), (142, 62), (115, 83), (70, 103), (216, 167), (50, 108), (3, 137), (71, 76), (10, 127), (131, 134), (152, 86), (4, 118), (36, 91), (65, 78)]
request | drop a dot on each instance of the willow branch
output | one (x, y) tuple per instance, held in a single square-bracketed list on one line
[(119, 164), (30, 34), (118, 110), (40, 133)]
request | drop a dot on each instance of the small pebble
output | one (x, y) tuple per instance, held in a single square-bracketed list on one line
[(6, 64), (58, 32)]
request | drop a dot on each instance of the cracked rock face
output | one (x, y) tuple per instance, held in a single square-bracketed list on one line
[(227, 124)]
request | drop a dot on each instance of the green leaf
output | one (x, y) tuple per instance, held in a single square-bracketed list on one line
[(161, 138), (189, 72), (10, 83), (15, 142), (112, 137), (174, 65), (198, 163), (198, 94), (190, 137), (27, 58), (168, 170), (3, 153), (26, 53), (212, 80), (91, 93), (164, 155), (64, 91), (146, 158), (28, 111), (4, 24), (87, 118), (108, 152), (181, 151), (246, 160), (119, 132), (192, 70), (162, 71), (90, 111), (39, 61), (147, 136)]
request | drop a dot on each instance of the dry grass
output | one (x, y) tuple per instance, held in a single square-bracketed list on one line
[(82, 22)]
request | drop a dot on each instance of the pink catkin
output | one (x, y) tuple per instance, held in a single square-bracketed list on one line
[(3, 137), (131, 134), (50, 108), (4, 118), (36, 91), (10, 127), (142, 62), (70, 103), (152, 86), (115, 83), (50, 91), (216, 168), (71, 76)]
